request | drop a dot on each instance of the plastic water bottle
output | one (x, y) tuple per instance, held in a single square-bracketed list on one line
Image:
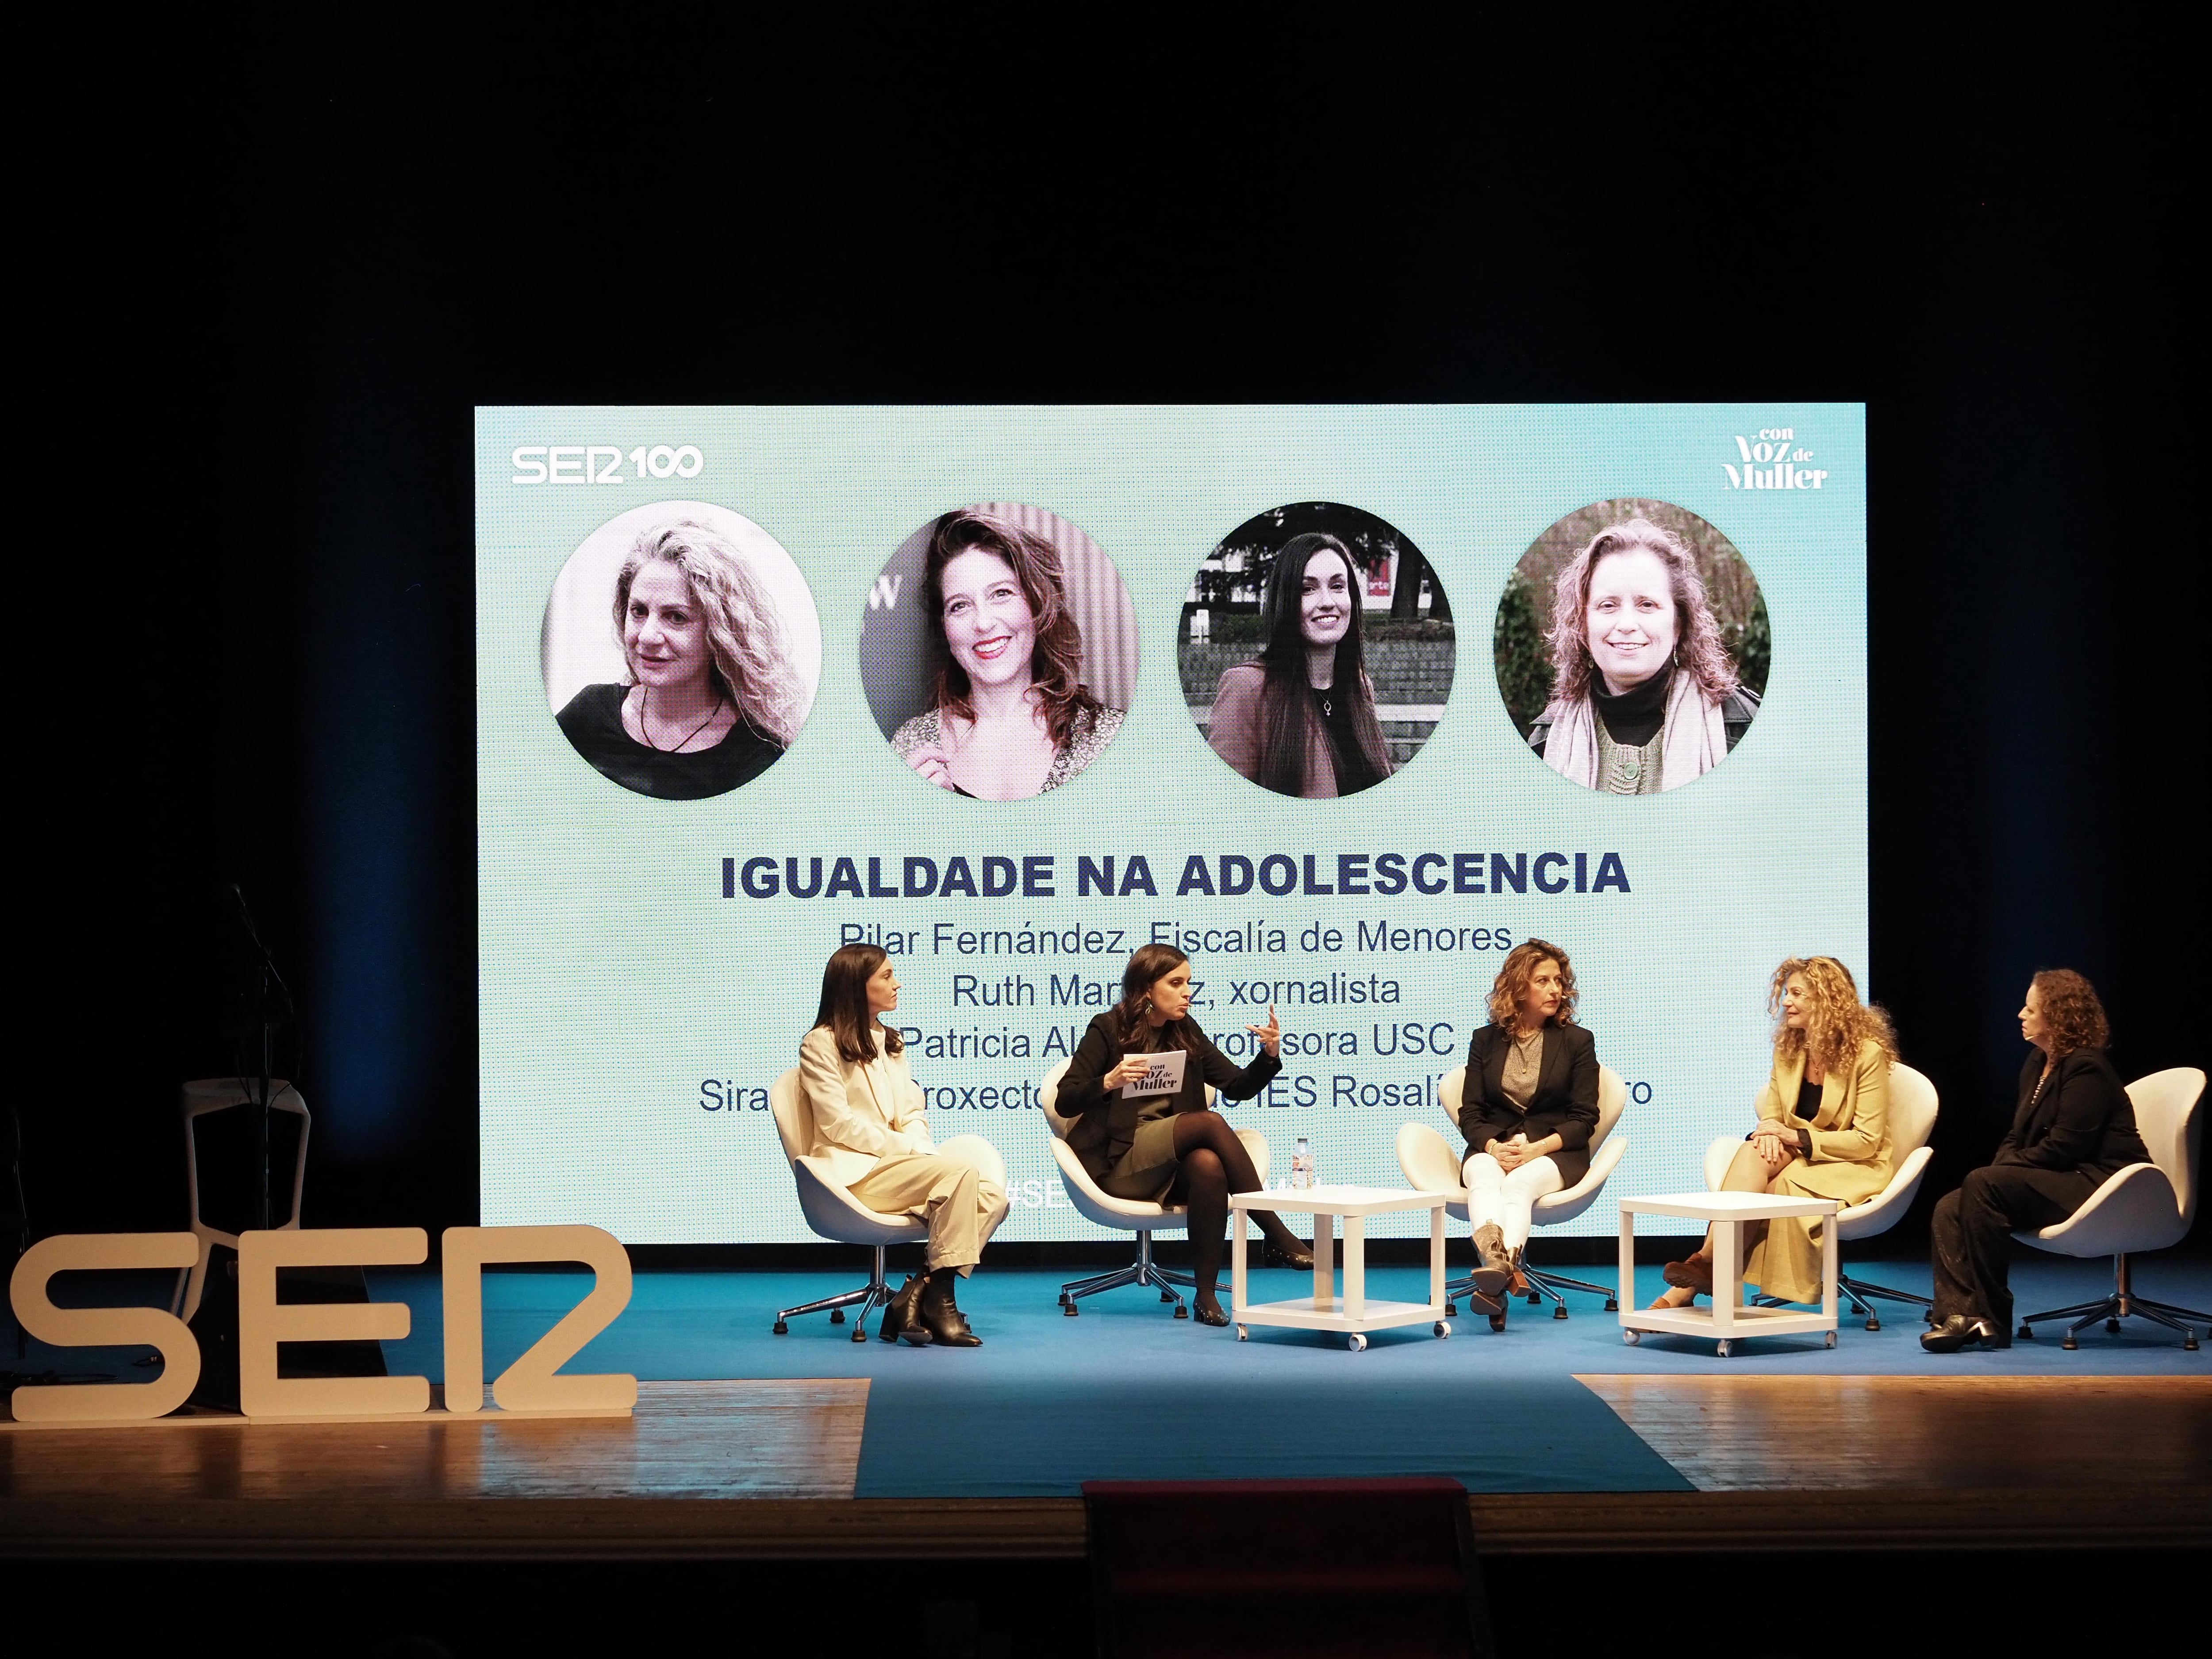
[(1302, 1165)]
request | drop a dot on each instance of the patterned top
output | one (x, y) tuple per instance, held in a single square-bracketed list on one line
[(1089, 741), (1629, 769)]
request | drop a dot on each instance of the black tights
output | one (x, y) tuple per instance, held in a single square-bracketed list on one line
[(1214, 1165)]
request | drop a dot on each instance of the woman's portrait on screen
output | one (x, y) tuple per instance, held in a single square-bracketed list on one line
[(999, 652), (681, 651), (1315, 650), (1631, 648)]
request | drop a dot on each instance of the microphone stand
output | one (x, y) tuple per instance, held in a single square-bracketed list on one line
[(265, 973)]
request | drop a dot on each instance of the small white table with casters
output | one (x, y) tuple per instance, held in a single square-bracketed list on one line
[(1728, 1321), (1354, 1313)]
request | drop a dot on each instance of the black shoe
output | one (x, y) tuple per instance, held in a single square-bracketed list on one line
[(1960, 1331), (899, 1314), (1275, 1255), (941, 1316), (1208, 1313)]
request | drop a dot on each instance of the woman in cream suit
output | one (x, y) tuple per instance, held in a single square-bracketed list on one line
[(1823, 1128), (870, 1134)]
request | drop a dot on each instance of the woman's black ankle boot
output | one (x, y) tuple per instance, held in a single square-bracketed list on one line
[(941, 1315)]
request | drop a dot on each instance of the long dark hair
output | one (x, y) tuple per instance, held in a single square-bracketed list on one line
[(844, 1007), (1148, 965), (1055, 663), (1286, 700)]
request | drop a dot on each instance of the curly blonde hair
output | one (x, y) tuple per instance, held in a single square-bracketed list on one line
[(1516, 973), (1697, 648), (2072, 1017), (1839, 1021), (749, 664)]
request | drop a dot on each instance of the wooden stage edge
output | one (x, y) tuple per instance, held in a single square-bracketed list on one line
[(1041, 1529), (766, 1470)]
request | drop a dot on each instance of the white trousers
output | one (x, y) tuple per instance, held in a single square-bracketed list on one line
[(1508, 1200)]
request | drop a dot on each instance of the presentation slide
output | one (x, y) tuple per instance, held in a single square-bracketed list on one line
[(1343, 701)]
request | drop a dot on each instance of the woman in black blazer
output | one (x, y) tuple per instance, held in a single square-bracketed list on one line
[(1528, 1106), (2073, 1127), (1170, 1148)]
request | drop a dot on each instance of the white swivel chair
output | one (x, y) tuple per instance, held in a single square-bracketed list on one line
[(1431, 1166), (835, 1214), (1912, 1106), (1136, 1215), (2144, 1206), (223, 1094)]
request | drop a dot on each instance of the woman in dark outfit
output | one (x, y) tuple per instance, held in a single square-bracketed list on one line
[(1526, 1107), (712, 700), (2075, 1128), (1170, 1148), (1299, 719)]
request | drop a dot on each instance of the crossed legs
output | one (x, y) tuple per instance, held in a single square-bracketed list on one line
[(1214, 1165)]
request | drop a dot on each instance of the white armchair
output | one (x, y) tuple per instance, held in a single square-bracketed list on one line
[(2144, 1206), (1431, 1166), (835, 1214), (1139, 1216), (1912, 1107)]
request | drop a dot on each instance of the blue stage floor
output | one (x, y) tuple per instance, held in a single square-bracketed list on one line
[(1126, 1391)]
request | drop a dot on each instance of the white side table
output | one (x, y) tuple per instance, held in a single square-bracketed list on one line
[(1728, 1320), (1353, 1313)]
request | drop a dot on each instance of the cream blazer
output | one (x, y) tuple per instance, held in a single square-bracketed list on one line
[(1851, 1155), (862, 1114)]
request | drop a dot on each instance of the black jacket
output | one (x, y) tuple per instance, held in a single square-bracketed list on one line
[(1105, 1123), (2082, 1120), (1564, 1102)]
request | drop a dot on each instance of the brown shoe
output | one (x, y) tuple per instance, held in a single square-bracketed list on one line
[(1519, 1287), (1692, 1272), (1497, 1266), (1666, 1298)]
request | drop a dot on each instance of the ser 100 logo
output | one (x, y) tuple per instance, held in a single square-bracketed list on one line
[(601, 464)]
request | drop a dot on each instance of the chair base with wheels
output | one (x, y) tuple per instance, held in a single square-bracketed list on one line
[(874, 1294), (1143, 1271), (2122, 1303)]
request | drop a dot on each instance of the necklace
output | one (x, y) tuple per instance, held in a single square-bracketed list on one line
[(1327, 707), (645, 731)]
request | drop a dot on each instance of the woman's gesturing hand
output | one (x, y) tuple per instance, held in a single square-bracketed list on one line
[(1270, 1034)]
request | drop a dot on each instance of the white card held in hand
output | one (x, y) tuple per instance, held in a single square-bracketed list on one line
[(1162, 1075)]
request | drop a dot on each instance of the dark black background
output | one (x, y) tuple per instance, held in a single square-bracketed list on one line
[(272, 278)]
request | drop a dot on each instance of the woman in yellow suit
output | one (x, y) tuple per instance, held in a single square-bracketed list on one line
[(1823, 1129)]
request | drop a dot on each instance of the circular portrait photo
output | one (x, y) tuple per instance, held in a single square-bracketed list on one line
[(999, 651), (1631, 647), (681, 650), (1315, 650)]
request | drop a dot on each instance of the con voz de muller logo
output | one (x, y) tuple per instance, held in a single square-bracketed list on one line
[(1772, 461)]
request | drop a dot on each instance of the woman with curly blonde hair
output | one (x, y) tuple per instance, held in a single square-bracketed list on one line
[(1644, 696), (1526, 1107), (2072, 1128), (710, 699), (1823, 1128)]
